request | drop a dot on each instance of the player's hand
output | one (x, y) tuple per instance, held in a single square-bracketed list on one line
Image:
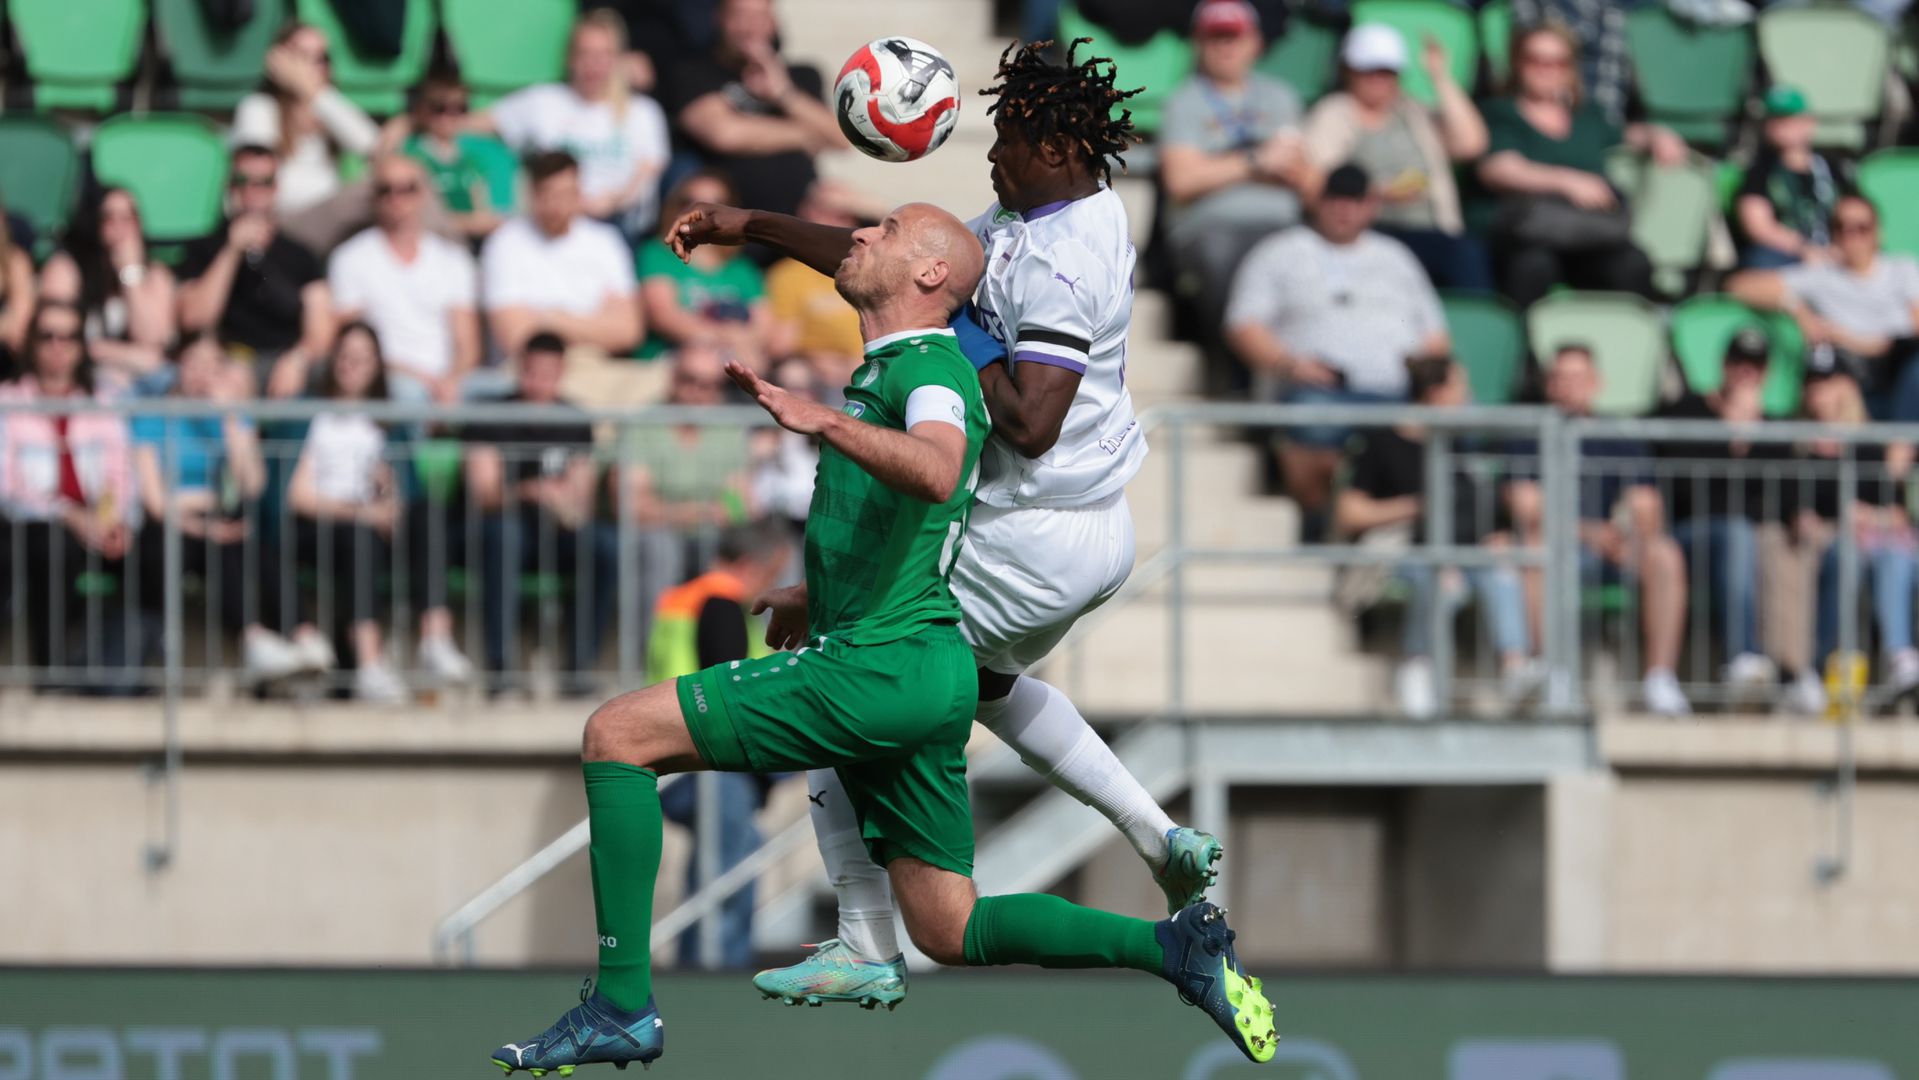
[(786, 629), (792, 412), (706, 223)]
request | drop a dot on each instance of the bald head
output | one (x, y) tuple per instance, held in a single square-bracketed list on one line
[(918, 256)]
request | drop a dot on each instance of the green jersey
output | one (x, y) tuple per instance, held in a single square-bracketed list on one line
[(877, 561)]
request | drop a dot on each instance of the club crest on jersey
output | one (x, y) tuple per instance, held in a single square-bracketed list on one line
[(1004, 215), (871, 376), (855, 409)]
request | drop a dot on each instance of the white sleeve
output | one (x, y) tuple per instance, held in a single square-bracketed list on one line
[(1057, 297), (497, 280), (516, 117), (346, 279), (646, 131), (616, 260), (348, 125), (1797, 278), (1255, 299), (459, 280), (1428, 316), (935, 404)]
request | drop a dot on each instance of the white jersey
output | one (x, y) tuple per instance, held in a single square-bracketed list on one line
[(1058, 289)]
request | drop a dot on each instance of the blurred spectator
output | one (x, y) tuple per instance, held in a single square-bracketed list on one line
[(127, 294), (619, 137), (304, 118), (697, 625), (347, 507), (785, 462), (1786, 202), (415, 289), (1387, 493), (554, 269), (1560, 221), (261, 292), (1882, 531), (66, 490), (1231, 159), (457, 161), (1371, 122), (1864, 302), (715, 295), (217, 472), (1622, 528), (533, 484), (1596, 30), (679, 481), (16, 296), (1718, 498), (749, 113), (1329, 314), (823, 327)]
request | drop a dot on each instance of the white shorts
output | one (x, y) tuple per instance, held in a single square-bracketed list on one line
[(1024, 576)]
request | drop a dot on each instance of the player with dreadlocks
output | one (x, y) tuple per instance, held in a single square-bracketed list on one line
[(1050, 537)]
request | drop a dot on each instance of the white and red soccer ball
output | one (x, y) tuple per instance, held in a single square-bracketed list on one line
[(897, 99)]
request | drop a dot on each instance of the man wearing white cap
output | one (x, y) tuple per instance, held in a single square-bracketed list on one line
[(1409, 150), (1231, 158)]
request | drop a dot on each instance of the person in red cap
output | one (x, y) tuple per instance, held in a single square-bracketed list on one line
[(1231, 159)]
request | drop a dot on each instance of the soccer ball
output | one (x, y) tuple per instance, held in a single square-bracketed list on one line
[(897, 99)]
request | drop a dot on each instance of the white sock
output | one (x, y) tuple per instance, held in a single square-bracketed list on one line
[(1057, 742), (865, 893)]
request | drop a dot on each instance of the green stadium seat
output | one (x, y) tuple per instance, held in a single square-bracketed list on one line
[(39, 173), (1489, 339), (1159, 65), (1672, 212), (1305, 57), (1693, 79), (1703, 325), (501, 48), (1625, 335), (174, 163), (1836, 55), (1447, 22), (1890, 178), (214, 66), (78, 51), (1496, 40), (377, 84)]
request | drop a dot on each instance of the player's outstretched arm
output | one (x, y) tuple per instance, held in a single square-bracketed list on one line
[(821, 247), (924, 462)]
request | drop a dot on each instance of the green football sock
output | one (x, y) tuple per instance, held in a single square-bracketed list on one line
[(1034, 928), (623, 804)]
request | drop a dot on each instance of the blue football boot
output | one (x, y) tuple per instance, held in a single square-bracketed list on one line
[(1201, 965), (832, 973), (595, 1031), (1189, 869)]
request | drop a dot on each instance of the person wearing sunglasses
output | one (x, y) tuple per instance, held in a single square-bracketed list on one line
[(462, 166), (305, 119), (416, 289), (1558, 219), (1864, 302), (263, 293)]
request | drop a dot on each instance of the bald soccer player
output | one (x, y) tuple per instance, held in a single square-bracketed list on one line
[(876, 683)]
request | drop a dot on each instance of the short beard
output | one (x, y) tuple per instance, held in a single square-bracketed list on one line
[(861, 290)]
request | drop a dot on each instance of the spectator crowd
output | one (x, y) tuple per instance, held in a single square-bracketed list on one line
[(506, 253)]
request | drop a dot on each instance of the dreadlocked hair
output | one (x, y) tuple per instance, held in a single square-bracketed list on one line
[(1041, 99)]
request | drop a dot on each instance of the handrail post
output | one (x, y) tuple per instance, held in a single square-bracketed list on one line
[(1559, 475), (707, 858), (160, 855), (1438, 507)]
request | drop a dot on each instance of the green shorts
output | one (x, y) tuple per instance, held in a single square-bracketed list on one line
[(891, 719)]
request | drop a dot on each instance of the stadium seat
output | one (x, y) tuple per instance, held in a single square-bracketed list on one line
[(1836, 55), (1625, 335), (1451, 24), (1672, 212), (1703, 325), (1489, 339), (215, 67), (1496, 40), (377, 84), (502, 48), (39, 171), (1305, 57), (1890, 178), (1158, 65), (1693, 79), (174, 163), (78, 51)]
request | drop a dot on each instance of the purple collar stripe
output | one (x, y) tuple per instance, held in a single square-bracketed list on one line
[(1038, 212)]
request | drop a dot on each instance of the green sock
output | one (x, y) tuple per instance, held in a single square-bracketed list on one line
[(1034, 928), (623, 803)]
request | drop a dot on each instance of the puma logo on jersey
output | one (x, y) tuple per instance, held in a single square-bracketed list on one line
[(1072, 284), (817, 800)]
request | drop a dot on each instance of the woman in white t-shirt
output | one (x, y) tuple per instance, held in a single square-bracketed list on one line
[(619, 137), (300, 115), (347, 507)]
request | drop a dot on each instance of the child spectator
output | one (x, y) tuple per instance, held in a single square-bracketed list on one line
[(1785, 205), (464, 168)]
